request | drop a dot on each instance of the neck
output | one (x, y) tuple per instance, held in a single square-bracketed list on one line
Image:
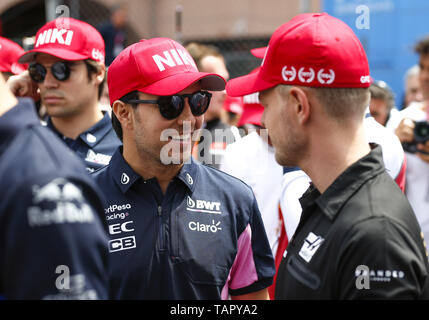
[(148, 166), (334, 153), (73, 126), (7, 99)]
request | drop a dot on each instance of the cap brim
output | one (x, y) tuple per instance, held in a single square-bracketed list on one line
[(258, 52), (30, 56), (179, 82), (248, 84)]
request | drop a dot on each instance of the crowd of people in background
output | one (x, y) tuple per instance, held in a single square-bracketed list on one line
[(231, 203)]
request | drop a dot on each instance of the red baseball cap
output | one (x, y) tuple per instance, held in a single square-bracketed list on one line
[(158, 66), (252, 110), (313, 50), (259, 52), (233, 104), (68, 39), (9, 54)]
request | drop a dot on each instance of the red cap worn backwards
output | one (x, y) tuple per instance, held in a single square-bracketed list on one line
[(313, 50), (9, 54), (158, 66), (67, 39)]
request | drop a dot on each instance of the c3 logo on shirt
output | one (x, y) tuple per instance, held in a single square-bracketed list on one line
[(122, 244)]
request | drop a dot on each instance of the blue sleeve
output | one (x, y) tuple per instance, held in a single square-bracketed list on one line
[(53, 242)]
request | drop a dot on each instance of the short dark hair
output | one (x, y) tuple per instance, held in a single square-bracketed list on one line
[(199, 51), (422, 47), (133, 95), (380, 90), (92, 68)]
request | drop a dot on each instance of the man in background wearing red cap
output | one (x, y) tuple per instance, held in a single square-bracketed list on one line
[(67, 66), (9, 54), (358, 236), (178, 229)]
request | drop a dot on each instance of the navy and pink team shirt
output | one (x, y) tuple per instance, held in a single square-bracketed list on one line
[(203, 239)]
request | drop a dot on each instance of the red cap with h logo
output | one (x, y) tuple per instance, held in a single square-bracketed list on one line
[(158, 66), (67, 39)]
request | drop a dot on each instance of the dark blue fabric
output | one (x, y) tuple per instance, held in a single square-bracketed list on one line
[(49, 215), (97, 152), (180, 245)]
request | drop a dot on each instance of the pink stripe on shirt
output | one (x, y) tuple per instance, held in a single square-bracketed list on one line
[(243, 270)]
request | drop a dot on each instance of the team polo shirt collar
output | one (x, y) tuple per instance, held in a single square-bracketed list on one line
[(20, 116), (125, 177), (347, 184), (93, 135)]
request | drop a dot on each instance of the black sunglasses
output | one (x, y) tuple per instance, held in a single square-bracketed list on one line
[(60, 70), (171, 107)]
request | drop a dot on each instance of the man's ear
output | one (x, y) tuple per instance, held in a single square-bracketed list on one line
[(100, 74), (302, 104), (124, 114)]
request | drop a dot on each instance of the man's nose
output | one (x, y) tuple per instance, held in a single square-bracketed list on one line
[(50, 81), (186, 114)]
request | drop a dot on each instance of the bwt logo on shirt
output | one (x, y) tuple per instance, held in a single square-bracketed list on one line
[(172, 58), (203, 206), (60, 36)]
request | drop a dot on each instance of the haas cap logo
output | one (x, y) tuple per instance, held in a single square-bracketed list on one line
[(326, 78), (288, 75), (306, 76)]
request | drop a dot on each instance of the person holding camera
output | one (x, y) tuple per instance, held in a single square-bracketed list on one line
[(413, 132)]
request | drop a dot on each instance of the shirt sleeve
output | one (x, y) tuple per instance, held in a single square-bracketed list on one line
[(380, 259), (53, 242), (253, 268)]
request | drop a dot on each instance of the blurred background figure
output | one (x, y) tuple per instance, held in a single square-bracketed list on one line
[(412, 87), (382, 103), (210, 150), (413, 132), (232, 110), (9, 54), (113, 32)]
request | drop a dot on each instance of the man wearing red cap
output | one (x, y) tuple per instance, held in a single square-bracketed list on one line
[(358, 236), (9, 54), (178, 229), (67, 65)]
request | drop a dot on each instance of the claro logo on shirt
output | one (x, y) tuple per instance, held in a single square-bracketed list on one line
[(203, 206), (207, 228)]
